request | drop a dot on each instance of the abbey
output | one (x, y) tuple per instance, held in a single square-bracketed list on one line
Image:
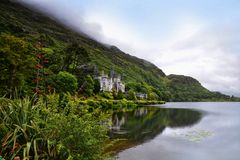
[(111, 83)]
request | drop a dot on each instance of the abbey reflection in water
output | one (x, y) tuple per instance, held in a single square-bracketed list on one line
[(145, 123)]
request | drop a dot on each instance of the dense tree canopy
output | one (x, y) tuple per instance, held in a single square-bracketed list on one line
[(17, 61), (64, 82), (74, 57)]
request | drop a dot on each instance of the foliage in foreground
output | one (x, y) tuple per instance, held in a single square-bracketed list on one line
[(34, 129)]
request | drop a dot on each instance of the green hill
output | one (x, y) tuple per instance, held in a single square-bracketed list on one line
[(185, 88), (80, 55)]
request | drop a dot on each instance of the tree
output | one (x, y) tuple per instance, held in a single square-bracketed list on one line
[(114, 93), (64, 82), (87, 87), (17, 61), (97, 86), (75, 56), (120, 95), (152, 96), (131, 95)]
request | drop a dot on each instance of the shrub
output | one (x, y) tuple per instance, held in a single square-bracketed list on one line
[(34, 129), (107, 95), (131, 95), (64, 82), (120, 95)]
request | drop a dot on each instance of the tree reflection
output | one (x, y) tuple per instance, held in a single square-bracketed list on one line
[(143, 124)]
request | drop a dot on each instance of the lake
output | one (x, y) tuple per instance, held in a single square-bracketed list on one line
[(178, 131)]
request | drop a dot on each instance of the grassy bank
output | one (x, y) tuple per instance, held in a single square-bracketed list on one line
[(118, 104)]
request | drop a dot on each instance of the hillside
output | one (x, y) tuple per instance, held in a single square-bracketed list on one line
[(80, 55), (34, 27), (185, 88)]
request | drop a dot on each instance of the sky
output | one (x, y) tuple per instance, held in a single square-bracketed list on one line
[(198, 38)]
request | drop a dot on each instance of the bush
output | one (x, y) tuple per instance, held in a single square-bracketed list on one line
[(120, 95), (107, 95), (131, 95), (32, 129), (64, 82)]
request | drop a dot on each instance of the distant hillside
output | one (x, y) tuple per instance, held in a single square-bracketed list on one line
[(81, 55), (185, 88)]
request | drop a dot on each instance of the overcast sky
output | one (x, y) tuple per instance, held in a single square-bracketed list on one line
[(199, 38)]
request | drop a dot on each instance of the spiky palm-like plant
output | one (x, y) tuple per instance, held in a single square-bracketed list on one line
[(21, 130)]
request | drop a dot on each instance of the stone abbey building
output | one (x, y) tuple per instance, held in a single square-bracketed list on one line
[(111, 83)]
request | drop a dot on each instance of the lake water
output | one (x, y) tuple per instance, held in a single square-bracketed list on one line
[(179, 131)]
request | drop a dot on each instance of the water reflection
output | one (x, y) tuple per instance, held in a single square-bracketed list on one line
[(143, 124)]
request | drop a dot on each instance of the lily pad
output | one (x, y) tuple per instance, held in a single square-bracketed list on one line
[(196, 135)]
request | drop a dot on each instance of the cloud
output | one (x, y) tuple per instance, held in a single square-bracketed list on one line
[(72, 17), (211, 55)]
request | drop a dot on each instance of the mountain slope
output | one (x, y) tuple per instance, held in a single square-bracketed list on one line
[(34, 26), (81, 55), (185, 88)]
